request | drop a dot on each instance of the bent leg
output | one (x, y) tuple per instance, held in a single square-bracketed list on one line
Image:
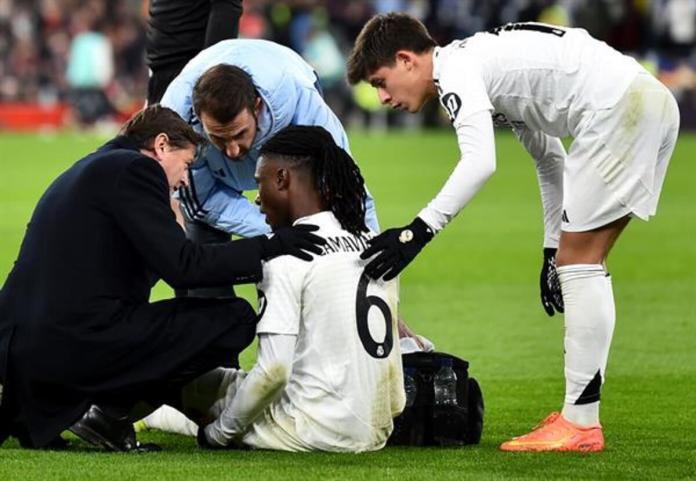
[(182, 343), (589, 317), (590, 247), (203, 399)]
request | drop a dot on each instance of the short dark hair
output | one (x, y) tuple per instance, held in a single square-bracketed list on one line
[(335, 175), (223, 92), (380, 39), (147, 124)]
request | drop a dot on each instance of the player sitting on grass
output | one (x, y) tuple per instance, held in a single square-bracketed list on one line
[(546, 83), (328, 372)]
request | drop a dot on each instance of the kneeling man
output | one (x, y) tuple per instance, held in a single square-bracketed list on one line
[(80, 345)]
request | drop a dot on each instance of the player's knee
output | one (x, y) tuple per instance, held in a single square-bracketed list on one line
[(569, 257)]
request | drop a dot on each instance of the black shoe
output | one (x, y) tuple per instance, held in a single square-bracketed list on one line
[(109, 432)]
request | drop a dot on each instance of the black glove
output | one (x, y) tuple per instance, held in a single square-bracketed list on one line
[(292, 241), (397, 248), (551, 297)]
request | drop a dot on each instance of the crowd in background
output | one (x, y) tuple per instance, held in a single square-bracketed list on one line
[(49, 49)]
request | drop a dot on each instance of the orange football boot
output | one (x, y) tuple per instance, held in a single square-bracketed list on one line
[(556, 433)]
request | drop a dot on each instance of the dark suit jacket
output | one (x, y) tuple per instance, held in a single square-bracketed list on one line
[(71, 311)]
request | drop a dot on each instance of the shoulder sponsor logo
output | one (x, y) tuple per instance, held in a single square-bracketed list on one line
[(500, 120), (452, 103)]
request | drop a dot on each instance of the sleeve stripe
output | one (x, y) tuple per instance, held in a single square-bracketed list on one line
[(184, 196), (191, 203)]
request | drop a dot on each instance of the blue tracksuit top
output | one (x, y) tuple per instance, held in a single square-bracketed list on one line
[(288, 88)]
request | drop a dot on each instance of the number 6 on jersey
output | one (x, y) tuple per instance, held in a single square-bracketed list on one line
[(363, 304)]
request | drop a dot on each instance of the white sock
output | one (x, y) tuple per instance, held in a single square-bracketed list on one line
[(168, 419), (589, 324)]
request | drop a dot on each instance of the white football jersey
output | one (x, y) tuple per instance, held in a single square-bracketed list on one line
[(541, 76), (346, 383)]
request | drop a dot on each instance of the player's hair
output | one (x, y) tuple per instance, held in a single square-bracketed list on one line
[(335, 175), (144, 126), (223, 92), (380, 39)]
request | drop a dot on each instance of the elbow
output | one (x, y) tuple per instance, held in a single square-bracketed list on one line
[(274, 380), (486, 173)]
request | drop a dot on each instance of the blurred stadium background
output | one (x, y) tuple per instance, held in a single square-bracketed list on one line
[(43, 59)]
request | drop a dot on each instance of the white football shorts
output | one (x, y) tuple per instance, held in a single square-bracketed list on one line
[(267, 433), (617, 163)]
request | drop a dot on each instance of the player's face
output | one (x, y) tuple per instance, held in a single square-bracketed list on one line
[(272, 180), (400, 86), (174, 160), (234, 138)]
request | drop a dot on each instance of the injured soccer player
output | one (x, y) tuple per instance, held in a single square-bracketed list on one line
[(328, 373)]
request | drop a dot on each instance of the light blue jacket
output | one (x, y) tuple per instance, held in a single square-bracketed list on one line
[(288, 88)]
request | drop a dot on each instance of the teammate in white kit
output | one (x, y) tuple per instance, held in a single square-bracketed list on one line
[(328, 373), (544, 82)]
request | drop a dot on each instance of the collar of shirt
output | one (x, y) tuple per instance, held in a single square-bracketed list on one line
[(325, 218), (264, 125), (120, 142), (436, 64)]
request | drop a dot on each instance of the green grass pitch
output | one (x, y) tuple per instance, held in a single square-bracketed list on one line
[(474, 292)]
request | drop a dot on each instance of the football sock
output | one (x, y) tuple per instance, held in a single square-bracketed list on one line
[(170, 420), (589, 324), (581, 414)]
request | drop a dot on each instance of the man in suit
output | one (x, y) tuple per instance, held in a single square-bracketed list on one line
[(80, 345)]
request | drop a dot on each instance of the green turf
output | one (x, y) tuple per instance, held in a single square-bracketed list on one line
[(474, 292)]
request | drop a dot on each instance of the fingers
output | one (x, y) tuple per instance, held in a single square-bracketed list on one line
[(370, 251), (393, 273), (308, 246), (306, 234), (303, 242), (557, 301), (308, 238), (380, 264), (546, 305), (300, 254), (306, 227), (379, 243)]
